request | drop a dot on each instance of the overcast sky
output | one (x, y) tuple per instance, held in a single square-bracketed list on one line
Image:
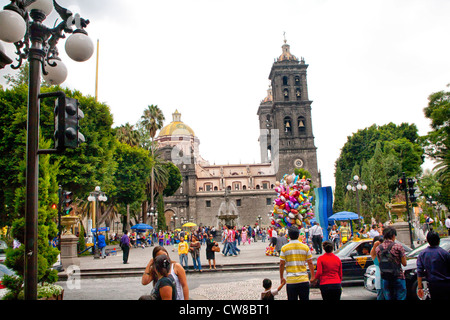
[(370, 62)]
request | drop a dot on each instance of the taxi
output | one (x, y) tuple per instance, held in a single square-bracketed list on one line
[(355, 258)]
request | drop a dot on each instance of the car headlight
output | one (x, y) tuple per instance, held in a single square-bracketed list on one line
[(370, 271)]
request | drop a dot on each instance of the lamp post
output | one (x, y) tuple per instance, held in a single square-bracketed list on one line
[(356, 185), (95, 197), (21, 23)]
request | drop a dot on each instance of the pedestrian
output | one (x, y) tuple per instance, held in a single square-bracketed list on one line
[(391, 257), (329, 273), (165, 288), (377, 240), (281, 241), (434, 262), (236, 236), (230, 242), (334, 237), (316, 235), (373, 232), (263, 234), (345, 233), (273, 239), (210, 254), (244, 235), (294, 258), (183, 249), (447, 224), (101, 241), (161, 238), (194, 248), (176, 272), (125, 245), (269, 293)]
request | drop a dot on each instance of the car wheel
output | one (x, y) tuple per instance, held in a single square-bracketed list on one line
[(415, 290)]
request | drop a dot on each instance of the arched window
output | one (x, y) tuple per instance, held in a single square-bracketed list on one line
[(287, 125), (298, 93), (286, 94), (297, 80), (301, 124), (285, 81)]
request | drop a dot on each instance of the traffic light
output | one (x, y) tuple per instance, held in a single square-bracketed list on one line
[(401, 184), (67, 202), (67, 115), (411, 190)]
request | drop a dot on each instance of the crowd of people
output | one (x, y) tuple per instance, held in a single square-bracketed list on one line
[(169, 277)]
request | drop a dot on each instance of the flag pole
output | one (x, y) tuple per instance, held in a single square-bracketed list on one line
[(96, 74)]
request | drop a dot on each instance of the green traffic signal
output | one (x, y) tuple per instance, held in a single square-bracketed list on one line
[(67, 203)]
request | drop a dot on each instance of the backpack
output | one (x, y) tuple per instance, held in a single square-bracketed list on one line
[(389, 269)]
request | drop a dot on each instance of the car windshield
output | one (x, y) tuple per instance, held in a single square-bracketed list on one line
[(444, 244), (345, 249)]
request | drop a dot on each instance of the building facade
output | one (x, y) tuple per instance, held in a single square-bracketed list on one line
[(217, 195)]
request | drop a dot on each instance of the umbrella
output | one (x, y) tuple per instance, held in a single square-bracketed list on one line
[(189, 224), (141, 226), (344, 215)]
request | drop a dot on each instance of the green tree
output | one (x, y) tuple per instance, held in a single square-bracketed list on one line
[(437, 141), (133, 169), (174, 179), (127, 134)]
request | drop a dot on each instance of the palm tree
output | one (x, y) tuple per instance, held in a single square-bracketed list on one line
[(151, 122), (127, 134)]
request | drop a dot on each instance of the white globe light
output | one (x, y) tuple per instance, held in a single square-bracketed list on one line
[(12, 26), (349, 187), (57, 74), (97, 188), (355, 178), (43, 5), (79, 47)]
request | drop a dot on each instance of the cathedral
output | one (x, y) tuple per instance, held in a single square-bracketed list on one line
[(217, 195)]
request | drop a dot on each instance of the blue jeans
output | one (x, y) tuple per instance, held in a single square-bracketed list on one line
[(197, 264), (235, 247), (230, 247), (184, 257), (394, 289)]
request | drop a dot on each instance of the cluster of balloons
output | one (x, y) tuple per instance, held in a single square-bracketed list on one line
[(293, 203)]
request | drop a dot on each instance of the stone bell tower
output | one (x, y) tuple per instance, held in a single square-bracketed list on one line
[(286, 112)]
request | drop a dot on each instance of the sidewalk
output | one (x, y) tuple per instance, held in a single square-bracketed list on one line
[(139, 258)]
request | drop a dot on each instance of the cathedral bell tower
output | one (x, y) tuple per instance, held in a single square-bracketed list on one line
[(286, 112)]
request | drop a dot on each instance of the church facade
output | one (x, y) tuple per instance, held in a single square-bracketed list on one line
[(242, 194)]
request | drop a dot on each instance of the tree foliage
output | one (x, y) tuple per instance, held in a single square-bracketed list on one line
[(379, 155)]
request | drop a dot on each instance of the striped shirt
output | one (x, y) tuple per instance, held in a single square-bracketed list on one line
[(295, 255)]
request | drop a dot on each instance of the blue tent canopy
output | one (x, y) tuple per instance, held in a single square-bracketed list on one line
[(141, 226), (344, 215)]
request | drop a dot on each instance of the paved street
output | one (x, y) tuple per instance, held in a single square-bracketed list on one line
[(214, 285)]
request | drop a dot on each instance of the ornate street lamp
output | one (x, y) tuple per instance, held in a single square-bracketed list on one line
[(356, 185), (95, 197), (21, 23)]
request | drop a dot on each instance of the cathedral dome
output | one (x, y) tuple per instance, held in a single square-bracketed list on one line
[(286, 55), (176, 127)]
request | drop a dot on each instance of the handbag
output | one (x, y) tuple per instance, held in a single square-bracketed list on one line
[(215, 249)]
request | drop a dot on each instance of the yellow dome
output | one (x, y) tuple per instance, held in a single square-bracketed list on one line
[(176, 127)]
